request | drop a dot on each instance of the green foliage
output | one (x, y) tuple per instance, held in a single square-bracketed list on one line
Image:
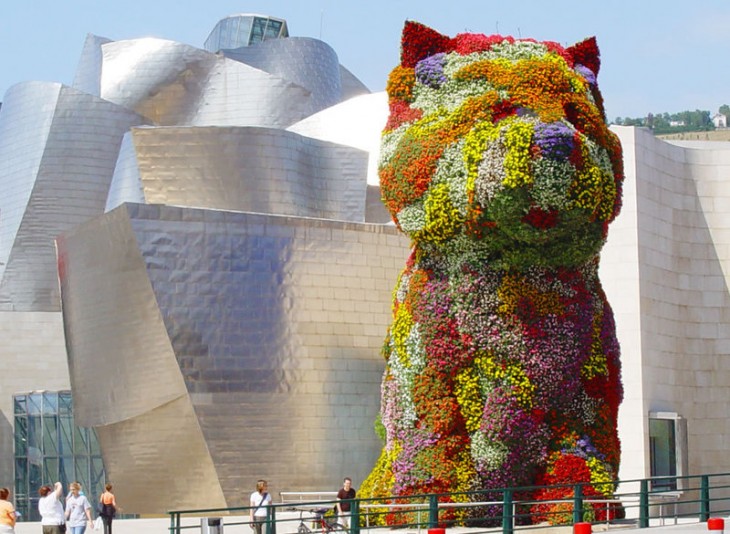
[(666, 123), (380, 429)]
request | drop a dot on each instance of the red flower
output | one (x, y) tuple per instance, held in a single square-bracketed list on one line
[(401, 112), (466, 43), (586, 53), (502, 109), (540, 218), (419, 42)]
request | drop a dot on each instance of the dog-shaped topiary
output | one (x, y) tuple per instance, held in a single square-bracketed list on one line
[(502, 364)]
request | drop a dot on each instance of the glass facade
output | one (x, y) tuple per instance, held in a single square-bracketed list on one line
[(50, 448), (668, 452), (243, 30), (663, 454)]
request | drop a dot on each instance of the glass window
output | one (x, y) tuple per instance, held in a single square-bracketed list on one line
[(34, 434), (49, 447), (663, 453), (273, 29), (50, 435), (35, 403), (20, 403), (50, 470), (94, 448), (21, 435), (50, 403), (258, 29), (667, 450), (67, 470), (65, 404), (65, 435), (81, 441)]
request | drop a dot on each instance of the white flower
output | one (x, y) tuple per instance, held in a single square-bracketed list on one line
[(412, 217), (551, 183), (452, 170), (488, 455)]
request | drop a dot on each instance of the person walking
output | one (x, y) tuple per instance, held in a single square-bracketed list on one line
[(78, 510), (344, 496), (260, 499), (51, 509), (7, 513), (108, 508)]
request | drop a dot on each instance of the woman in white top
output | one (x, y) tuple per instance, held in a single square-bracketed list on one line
[(51, 509), (260, 499), (78, 510)]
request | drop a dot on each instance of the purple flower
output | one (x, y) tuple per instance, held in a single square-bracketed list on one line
[(587, 73), (555, 139), (430, 70)]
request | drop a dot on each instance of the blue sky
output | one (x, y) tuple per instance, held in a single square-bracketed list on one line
[(657, 55)]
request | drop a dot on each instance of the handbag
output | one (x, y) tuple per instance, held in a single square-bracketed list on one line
[(98, 523)]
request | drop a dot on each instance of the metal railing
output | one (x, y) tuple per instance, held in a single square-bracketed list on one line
[(306, 496), (643, 503)]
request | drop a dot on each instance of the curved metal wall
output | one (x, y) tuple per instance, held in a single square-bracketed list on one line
[(309, 63), (72, 139), (126, 183), (201, 338), (25, 122), (274, 324), (171, 83), (246, 169), (335, 124), (88, 72)]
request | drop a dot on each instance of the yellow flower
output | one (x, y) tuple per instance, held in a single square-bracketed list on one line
[(443, 220), (516, 288), (517, 162), (596, 363), (468, 395), (402, 324)]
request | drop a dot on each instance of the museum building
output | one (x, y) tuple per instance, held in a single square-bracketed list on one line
[(193, 249)]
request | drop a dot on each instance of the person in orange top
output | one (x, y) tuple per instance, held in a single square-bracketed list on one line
[(7, 513), (108, 508)]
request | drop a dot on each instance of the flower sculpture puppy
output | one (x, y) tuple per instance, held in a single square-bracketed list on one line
[(502, 361)]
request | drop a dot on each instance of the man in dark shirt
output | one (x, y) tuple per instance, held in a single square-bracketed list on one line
[(343, 503)]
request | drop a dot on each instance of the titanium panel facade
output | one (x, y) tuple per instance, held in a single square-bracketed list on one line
[(269, 327), (242, 169), (88, 72), (68, 154), (309, 63), (171, 83), (58, 148)]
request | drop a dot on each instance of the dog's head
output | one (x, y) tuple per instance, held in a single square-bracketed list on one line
[(498, 148)]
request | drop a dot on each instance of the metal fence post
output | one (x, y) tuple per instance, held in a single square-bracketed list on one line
[(355, 517), (433, 511), (577, 503), (507, 515), (644, 504), (271, 520), (704, 498), (174, 523)]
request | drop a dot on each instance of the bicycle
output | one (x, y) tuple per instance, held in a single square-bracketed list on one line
[(318, 519)]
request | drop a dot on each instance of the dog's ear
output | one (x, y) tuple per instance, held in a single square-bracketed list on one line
[(586, 53), (419, 41)]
